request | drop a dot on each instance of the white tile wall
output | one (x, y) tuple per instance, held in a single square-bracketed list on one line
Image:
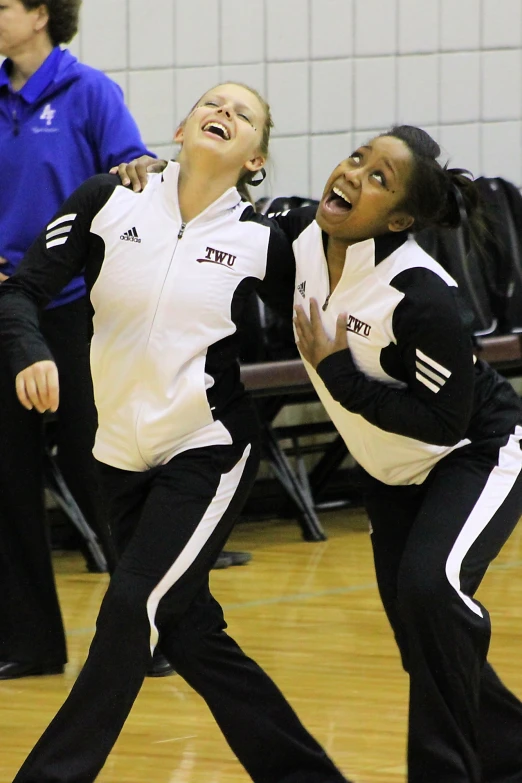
[(374, 92), (460, 87), (331, 96), (289, 169), (335, 72), (104, 33), (151, 44), (502, 85), (332, 28), (417, 89), (287, 90), (418, 26), (151, 100), (196, 25), (248, 18), (375, 27), (460, 25), (287, 30), (501, 23)]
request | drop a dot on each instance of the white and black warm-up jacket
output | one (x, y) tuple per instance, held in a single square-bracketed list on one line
[(166, 300), (408, 390)]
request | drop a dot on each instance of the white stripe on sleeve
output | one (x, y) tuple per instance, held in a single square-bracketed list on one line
[(55, 242), (62, 219), (427, 383), (426, 371), (433, 364), (58, 232)]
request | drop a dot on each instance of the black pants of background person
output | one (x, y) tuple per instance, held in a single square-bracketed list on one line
[(31, 628), (432, 545), (180, 515)]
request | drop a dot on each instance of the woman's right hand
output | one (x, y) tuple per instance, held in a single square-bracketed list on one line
[(136, 172), (37, 387)]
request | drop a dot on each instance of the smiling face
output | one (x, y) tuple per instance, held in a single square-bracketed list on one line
[(362, 196), (226, 126), (19, 27)]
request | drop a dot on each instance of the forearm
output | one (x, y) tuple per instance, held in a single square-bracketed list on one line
[(21, 338), (393, 409)]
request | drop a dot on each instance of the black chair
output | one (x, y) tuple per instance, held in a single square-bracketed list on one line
[(57, 488), (450, 248)]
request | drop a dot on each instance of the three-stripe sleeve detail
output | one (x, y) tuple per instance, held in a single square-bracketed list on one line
[(58, 231), (429, 372)]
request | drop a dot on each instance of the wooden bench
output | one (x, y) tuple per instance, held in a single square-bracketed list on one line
[(275, 384), (503, 352)]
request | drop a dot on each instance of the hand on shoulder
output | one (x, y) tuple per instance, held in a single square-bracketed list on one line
[(135, 173)]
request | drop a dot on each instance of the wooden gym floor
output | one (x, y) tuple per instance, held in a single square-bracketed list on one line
[(310, 614)]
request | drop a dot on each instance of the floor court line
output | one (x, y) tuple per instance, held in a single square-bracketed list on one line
[(297, 597)]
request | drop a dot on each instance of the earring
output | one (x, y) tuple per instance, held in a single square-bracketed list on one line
[(260, 177)]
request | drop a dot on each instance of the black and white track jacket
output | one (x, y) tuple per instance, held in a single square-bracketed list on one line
[(166, 301), (408, 390)]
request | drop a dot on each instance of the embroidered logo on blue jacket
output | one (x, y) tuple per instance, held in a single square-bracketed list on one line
[(47, 116)]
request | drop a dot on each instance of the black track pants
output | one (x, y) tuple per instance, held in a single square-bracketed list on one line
[(176, 519), (432, 545)]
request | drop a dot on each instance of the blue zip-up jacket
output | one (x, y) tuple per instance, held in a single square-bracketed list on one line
[(67, 123)]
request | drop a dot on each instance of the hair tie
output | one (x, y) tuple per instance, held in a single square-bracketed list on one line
[(463, 212), (464, 217)]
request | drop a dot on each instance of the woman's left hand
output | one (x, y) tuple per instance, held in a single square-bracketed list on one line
[(312, 339)]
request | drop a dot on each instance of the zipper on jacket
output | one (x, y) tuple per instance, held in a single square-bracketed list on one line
[(326, 302), (182, 230), (16, 122)]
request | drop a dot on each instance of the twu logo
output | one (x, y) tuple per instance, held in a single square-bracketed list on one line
[(358, 327), (214, 256)]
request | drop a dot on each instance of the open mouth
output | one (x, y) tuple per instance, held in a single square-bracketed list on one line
[(338, 202), (217, 129)]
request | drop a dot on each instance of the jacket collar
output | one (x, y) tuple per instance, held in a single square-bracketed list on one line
[(55, 68), (387, 244), (372, 251), (227, 202)]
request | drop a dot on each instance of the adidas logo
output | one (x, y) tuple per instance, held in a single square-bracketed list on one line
[(301, 288), (131, 235)]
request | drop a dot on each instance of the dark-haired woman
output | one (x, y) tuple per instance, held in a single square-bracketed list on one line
[(437, 432)]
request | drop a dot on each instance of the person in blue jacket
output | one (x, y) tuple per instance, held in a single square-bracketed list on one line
[(60, 123)]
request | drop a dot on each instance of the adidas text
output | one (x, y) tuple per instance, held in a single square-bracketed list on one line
[(131, 236)]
